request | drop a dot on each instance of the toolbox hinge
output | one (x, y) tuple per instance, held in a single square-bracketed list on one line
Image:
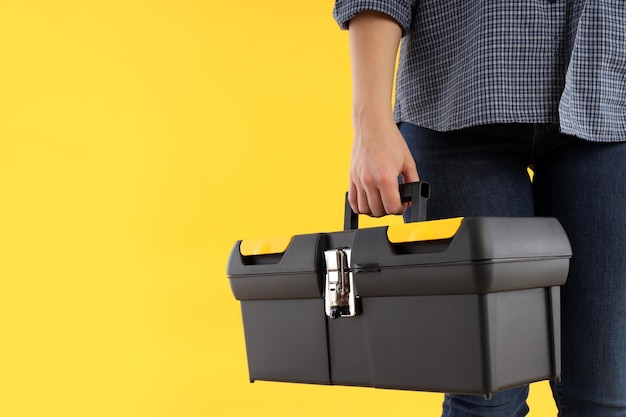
[(340, 294)]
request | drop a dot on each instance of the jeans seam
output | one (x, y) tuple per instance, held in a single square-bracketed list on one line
[(533, 144)]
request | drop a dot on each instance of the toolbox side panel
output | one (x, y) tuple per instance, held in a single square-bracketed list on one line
[(286, 340), (426, 343), (466, 344), (524, 337)]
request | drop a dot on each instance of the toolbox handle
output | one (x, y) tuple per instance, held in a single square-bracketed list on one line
[(417, 193)]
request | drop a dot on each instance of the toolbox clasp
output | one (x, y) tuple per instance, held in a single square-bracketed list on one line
[(339, 293)]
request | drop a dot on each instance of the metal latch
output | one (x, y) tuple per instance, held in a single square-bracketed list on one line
[(339, 294)]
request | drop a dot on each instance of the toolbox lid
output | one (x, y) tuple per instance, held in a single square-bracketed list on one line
[(385, 264), (470, 255), (276, 268)]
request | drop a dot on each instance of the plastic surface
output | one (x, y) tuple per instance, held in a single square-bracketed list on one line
[(487, 254), (293, 274), (264, 246), (422, 231), (475, 311)]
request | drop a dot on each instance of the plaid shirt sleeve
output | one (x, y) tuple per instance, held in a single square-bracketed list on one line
[(399, 10)]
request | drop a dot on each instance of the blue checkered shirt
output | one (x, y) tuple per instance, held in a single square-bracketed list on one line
[(473, 62)]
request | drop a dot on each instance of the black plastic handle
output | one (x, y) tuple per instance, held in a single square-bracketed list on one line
[(417, 193)]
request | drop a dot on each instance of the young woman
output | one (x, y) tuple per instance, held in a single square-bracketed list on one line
[(484, 90)]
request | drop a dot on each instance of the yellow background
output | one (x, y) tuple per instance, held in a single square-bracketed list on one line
[(138, 141)]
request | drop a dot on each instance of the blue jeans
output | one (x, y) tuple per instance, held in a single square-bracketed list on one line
[(483, 171)]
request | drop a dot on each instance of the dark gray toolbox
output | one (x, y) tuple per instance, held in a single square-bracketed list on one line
[(465, 305)]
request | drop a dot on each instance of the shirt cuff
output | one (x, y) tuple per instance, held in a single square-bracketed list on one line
[(399, 10)]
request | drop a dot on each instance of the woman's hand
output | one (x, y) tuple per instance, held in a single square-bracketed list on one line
[(379, 156)]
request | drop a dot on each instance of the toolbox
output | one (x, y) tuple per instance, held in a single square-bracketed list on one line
[(463, 305)]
